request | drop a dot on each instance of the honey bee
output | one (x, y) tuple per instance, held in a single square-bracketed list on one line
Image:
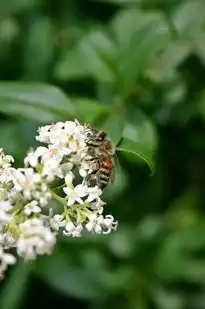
[(102, 153)]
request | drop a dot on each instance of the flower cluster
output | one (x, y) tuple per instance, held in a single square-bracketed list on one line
[(50, 172)]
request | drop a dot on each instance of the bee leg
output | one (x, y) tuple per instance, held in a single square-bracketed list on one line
[(89, 176), (92, 174)]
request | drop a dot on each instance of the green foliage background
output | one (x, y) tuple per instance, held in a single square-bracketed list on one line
[(135, 68)]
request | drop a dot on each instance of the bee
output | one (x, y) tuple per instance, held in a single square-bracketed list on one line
[(101, 150)]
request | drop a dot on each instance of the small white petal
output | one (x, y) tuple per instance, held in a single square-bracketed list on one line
[(70, 201), (9, 259), (69, 226), (89, 226), (69, 179), (79, 200), (98, 229)]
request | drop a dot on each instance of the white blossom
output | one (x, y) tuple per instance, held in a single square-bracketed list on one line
[(75, 194), (7, 241), (99, 224), (25, 181), (42, 194), (72, 230), (5, 217), (94, 193), (36, 239), (24, 193), (5, 260), (31, 207), (57, 221), (5, 160)]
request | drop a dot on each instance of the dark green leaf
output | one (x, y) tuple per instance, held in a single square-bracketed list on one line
[(39, 48), (68, 280), (14, 6), (164, 65), (201, 104), (167, 299), (137, 149), (42, 103), (89, 110), (128, 21), (140, 128), (15, 287), (141, 36), (189, 16), (121, 1), (93, 56), (114, 125), (199, 44)]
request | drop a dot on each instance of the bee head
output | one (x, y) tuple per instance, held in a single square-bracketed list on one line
[(101, 136)]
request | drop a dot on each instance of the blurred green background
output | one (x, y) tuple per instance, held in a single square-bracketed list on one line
[(134, 68)]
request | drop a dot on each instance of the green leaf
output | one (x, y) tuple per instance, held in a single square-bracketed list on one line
[(11, 137), (15, 287), (140, 36), (39, 48), (114, 125), (140, 128), (67, 279), (199, 44), (164, 65), (93, 57), (122, 2), (201, 104), (15, 6), (189, 17), (42, 103), (137, 149), (129, 22), (89, 110), (168, 299)]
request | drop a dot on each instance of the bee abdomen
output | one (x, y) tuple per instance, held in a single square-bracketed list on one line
[(105, 171), (103, 178), (103, 182)]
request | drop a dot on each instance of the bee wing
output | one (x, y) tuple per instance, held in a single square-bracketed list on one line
[(112, 177), (117, 162)]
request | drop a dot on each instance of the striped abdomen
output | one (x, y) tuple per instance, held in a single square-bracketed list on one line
[(104, 173)]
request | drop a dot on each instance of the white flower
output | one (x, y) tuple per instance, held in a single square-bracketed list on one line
[(57, 221), (77, 158), (72, 230), (31, 207), (66, 168), (99, 224), (25, 191), (69, 179), (94, 193), (109, 224), (5, 206), (25, 180), (5, 160), (70, 127), (7, 241), (94, 223), (5, 260), (36, 239), (44, 132), (75, 194), (33, 157), (6, 175), (51, 168), (42, 195)]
